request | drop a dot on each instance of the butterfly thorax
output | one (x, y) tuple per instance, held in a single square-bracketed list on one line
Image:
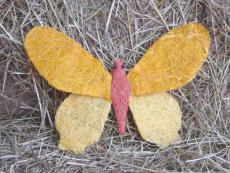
[(120, 95)]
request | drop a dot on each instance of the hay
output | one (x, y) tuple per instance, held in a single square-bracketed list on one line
[(158, 118), (112, 30)]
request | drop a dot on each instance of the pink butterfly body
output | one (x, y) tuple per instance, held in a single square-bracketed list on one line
[(120, 95)]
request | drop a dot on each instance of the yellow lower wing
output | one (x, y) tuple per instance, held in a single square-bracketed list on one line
[(80, 121), (158, 117), (65, 64), (172, 61)]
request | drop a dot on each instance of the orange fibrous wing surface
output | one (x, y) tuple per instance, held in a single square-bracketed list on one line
[(172, 61), (65, 64)]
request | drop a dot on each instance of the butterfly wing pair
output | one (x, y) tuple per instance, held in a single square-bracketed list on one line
[(171, 62)]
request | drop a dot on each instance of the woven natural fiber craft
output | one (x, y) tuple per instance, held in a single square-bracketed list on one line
[(170, 63)]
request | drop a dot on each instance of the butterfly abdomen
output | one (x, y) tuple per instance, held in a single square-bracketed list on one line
[(120, 95)]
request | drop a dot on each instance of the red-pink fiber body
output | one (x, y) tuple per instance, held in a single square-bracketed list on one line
[(120, 95)]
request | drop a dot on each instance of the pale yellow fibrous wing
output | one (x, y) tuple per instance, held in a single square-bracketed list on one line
[(65, 64), (158, 118), (172, 61), (80, 121)]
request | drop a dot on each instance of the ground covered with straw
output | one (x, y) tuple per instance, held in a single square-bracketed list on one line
[(109, 30)]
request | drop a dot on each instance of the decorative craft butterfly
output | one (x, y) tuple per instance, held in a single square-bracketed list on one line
[(171, 62)]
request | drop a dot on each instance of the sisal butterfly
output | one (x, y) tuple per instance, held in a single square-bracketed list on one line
[(170, 63)]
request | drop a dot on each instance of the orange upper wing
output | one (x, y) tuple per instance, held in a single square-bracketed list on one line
[(65, 64), (172, 61)]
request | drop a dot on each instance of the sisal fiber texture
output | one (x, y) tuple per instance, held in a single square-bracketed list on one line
[(120, 95), (172, 61), (80, 121), (65, 64), (158, 118)]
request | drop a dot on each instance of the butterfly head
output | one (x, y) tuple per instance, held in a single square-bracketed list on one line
[(118, 64)]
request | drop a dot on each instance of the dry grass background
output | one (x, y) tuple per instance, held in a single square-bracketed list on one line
[(110, 30)]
